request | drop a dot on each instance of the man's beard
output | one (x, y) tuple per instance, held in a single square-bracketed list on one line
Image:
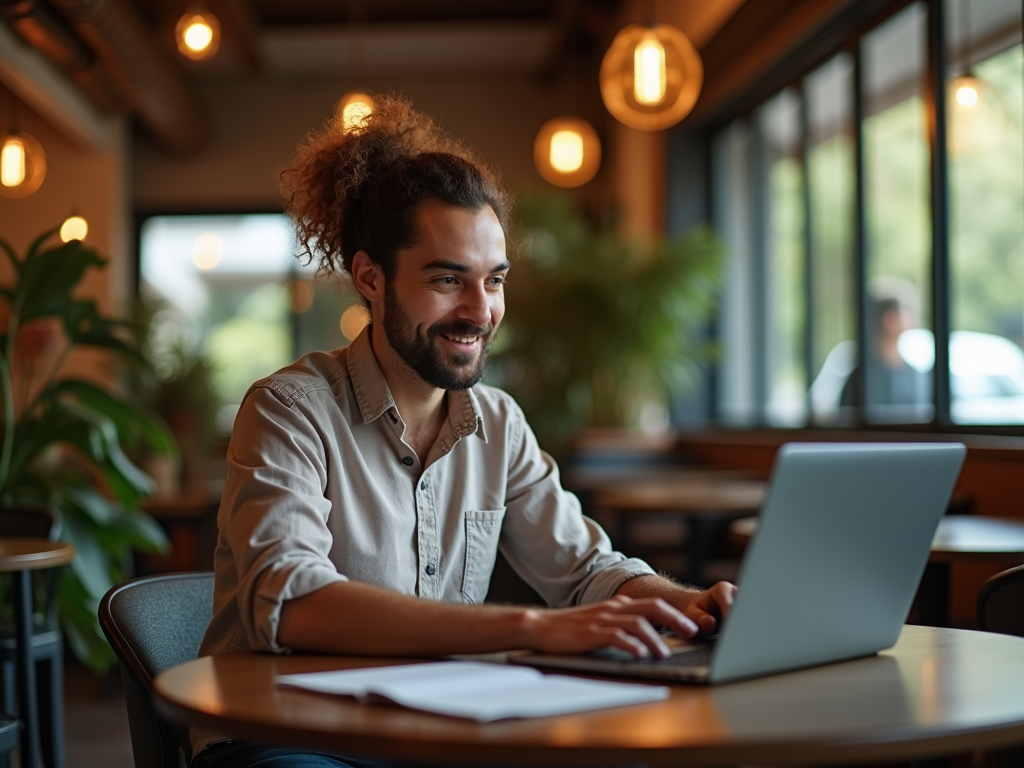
[(421, 353)]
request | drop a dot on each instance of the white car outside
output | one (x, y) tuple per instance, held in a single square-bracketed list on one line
[(986, 375)]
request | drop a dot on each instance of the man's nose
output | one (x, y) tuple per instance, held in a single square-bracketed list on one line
[(475, 306)]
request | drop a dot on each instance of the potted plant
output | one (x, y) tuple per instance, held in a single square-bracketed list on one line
[(63, 436), (599, 328)]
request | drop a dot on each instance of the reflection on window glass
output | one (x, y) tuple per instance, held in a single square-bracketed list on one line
[(739, 315), (898, 248), (231, 288), (779, 122), (986, 160), (831, 171)]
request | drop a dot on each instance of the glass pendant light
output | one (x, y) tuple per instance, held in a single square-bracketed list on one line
[(567, 151), (198, 33), (650, 76), (22, 160)]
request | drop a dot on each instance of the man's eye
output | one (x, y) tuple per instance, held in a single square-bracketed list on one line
[(446, 280), (498, 280)]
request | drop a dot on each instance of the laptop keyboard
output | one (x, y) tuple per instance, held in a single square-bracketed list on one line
[(692, 656)]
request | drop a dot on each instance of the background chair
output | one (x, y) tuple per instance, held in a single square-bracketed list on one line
[(1001, 609), (47, 641), (1001, 603), (154, 623)]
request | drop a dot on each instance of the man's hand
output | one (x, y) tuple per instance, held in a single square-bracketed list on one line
[(704, 608), (620, 622)]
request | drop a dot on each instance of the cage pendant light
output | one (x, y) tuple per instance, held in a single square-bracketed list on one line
[(22, 160), (651, 76)]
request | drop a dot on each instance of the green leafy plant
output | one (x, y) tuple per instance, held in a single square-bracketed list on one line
[(63, 436), (174, 379), (596, 327)]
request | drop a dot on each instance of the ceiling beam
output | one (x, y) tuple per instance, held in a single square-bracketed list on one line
[(31, 77)]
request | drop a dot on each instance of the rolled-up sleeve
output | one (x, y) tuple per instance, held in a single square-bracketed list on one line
[(274, 512), (566, 557)]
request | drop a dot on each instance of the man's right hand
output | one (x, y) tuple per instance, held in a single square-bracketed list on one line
[(621, 622)]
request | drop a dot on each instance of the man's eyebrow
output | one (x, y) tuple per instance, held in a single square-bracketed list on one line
[(454, 266)]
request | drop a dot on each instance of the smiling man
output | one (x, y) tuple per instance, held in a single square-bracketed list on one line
[(370, 489)]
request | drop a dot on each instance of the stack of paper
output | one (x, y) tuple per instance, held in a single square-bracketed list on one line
[(476, 690)]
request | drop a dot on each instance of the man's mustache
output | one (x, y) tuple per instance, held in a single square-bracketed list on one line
[(458, 328)]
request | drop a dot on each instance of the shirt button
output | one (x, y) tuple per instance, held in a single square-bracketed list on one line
[(407, 460), (431, 569), (423, 485)]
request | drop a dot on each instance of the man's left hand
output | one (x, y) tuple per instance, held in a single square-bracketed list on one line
[(705, 608)]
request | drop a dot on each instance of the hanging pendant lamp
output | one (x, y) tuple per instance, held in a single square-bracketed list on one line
[(22, 160), (650, 76), (197, 33), (567, 151)]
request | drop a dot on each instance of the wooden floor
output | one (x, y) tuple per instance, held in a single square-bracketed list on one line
[(96, 721)]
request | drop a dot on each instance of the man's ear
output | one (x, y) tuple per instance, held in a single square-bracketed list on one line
[(367, 277)]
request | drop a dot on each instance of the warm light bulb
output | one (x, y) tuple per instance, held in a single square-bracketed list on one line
[(198, 35), (649, 78), (355, 113), (354, 108), (74, 228), (353, 320), (967, 96), (12, 162), (207, 251), (567, 151)]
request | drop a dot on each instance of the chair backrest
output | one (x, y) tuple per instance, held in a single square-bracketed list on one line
[(1001, 603), (154, 623)]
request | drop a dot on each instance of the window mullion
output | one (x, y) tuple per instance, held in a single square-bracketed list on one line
[(936, 112)]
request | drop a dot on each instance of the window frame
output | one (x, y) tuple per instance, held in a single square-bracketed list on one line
[(844, 33)]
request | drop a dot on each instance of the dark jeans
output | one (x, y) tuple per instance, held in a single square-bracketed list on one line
[(250, 754)]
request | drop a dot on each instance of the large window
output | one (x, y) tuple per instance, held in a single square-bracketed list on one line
[(855, 239), (230, 288)]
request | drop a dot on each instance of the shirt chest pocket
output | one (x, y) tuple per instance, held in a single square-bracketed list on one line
[(483, 528)]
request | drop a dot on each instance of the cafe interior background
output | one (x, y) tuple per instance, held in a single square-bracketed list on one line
[(695, 263)]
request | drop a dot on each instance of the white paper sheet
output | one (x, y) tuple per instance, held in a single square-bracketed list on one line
[(476, 690)]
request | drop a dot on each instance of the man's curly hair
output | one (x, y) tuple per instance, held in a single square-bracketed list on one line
[(360, 188)]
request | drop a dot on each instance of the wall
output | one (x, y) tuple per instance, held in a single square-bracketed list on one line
[(258, 122), (89, 182), (93, 184)]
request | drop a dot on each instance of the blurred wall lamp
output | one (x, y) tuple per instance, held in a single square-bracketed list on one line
[(22, 160), (567, 151), (74, 228), (650, 76), (198, 33)]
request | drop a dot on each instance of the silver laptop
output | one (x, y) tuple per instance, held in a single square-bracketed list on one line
[(842, 543)]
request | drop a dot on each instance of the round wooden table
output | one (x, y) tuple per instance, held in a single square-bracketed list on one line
[(959, 538), (938, 691), (18, 557)]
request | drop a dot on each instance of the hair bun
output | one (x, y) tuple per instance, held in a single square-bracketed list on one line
[(333, 168)]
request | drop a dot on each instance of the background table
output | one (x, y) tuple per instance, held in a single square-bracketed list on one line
[(967, 538), (18, 557), (703, 498), (938, 691)]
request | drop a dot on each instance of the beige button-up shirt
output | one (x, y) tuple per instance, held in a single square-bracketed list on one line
[(321, 488)]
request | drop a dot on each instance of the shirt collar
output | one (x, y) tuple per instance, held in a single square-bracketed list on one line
[(375, 399)]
